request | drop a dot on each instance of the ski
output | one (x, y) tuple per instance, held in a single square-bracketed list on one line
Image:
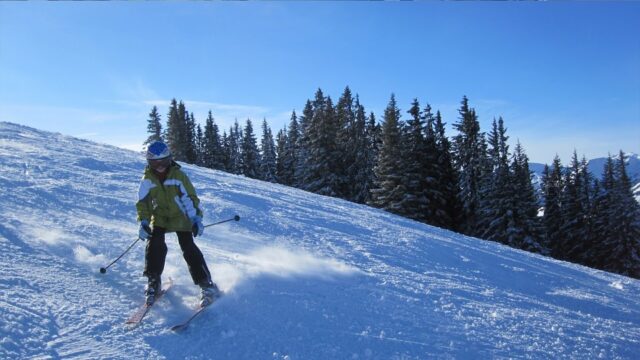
[(140, 313), (197, 312)]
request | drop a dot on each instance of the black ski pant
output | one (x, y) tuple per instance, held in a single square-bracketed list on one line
[(156, 253)]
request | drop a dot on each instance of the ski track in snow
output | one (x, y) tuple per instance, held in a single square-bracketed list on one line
[(306, 276)]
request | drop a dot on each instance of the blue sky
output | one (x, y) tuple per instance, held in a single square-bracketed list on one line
[(563, 76)]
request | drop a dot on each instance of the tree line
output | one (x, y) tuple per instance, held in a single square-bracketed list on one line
[(470, 183)]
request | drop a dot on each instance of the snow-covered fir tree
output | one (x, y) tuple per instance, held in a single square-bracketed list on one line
[(233, 149), (509, 207), (176, 130), (552, 186), (250, 153), (604, 202), (389, 191), (224, 143), (366, 145), (199, 142), (154, 126), (347, 136), (469, 149), (586, 194), (575, 207), (497, 205), (625, 225), (267, 166), (433, 171), (190, 138), (448, 215), (281, 146), (303, 147), (289, 157), (615, 222), (322, 158), (414, 203), (526, 232), (213, 154)]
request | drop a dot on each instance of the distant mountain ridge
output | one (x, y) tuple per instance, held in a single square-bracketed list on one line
[(596, 167)]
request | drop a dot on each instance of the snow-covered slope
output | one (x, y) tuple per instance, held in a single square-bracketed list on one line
[(307, 277)]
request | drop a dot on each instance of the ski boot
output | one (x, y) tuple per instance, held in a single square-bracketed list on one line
[(152, 289), (209, 292)]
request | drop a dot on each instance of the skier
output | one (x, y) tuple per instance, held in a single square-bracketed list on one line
[(167, 202)]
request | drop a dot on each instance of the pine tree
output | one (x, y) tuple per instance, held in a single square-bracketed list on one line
[(176, 130), (234, 152), (212, 147), (301, 173), (291, 150), (388, 190), (433, 172), (616, 222), (181, 133), (583, 249), (497, 204), (322, 157), (526, 233), (346, 138), (552, 186), (414, 203), (469, 150), (154, 127), (625, 225), (184, 132), (449, 213), (267, 167), (365, 143), (603, 216), (250, 154), (509, 207), (281, 150), (199, 146), (226, 152), (190, 141), (575, 209)]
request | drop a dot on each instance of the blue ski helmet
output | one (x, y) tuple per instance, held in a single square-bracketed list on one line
[(158, 150)]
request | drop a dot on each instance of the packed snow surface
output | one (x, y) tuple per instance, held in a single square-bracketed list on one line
[(305, 276)]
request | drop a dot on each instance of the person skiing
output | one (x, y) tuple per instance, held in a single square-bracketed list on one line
[(167, 202)]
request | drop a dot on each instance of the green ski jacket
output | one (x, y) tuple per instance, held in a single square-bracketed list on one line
[(171, 204)]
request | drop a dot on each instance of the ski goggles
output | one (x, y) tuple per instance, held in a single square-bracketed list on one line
[(160, 164)]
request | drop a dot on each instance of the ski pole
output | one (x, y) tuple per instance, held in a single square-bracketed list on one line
[(236, 218), (104, 269)]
